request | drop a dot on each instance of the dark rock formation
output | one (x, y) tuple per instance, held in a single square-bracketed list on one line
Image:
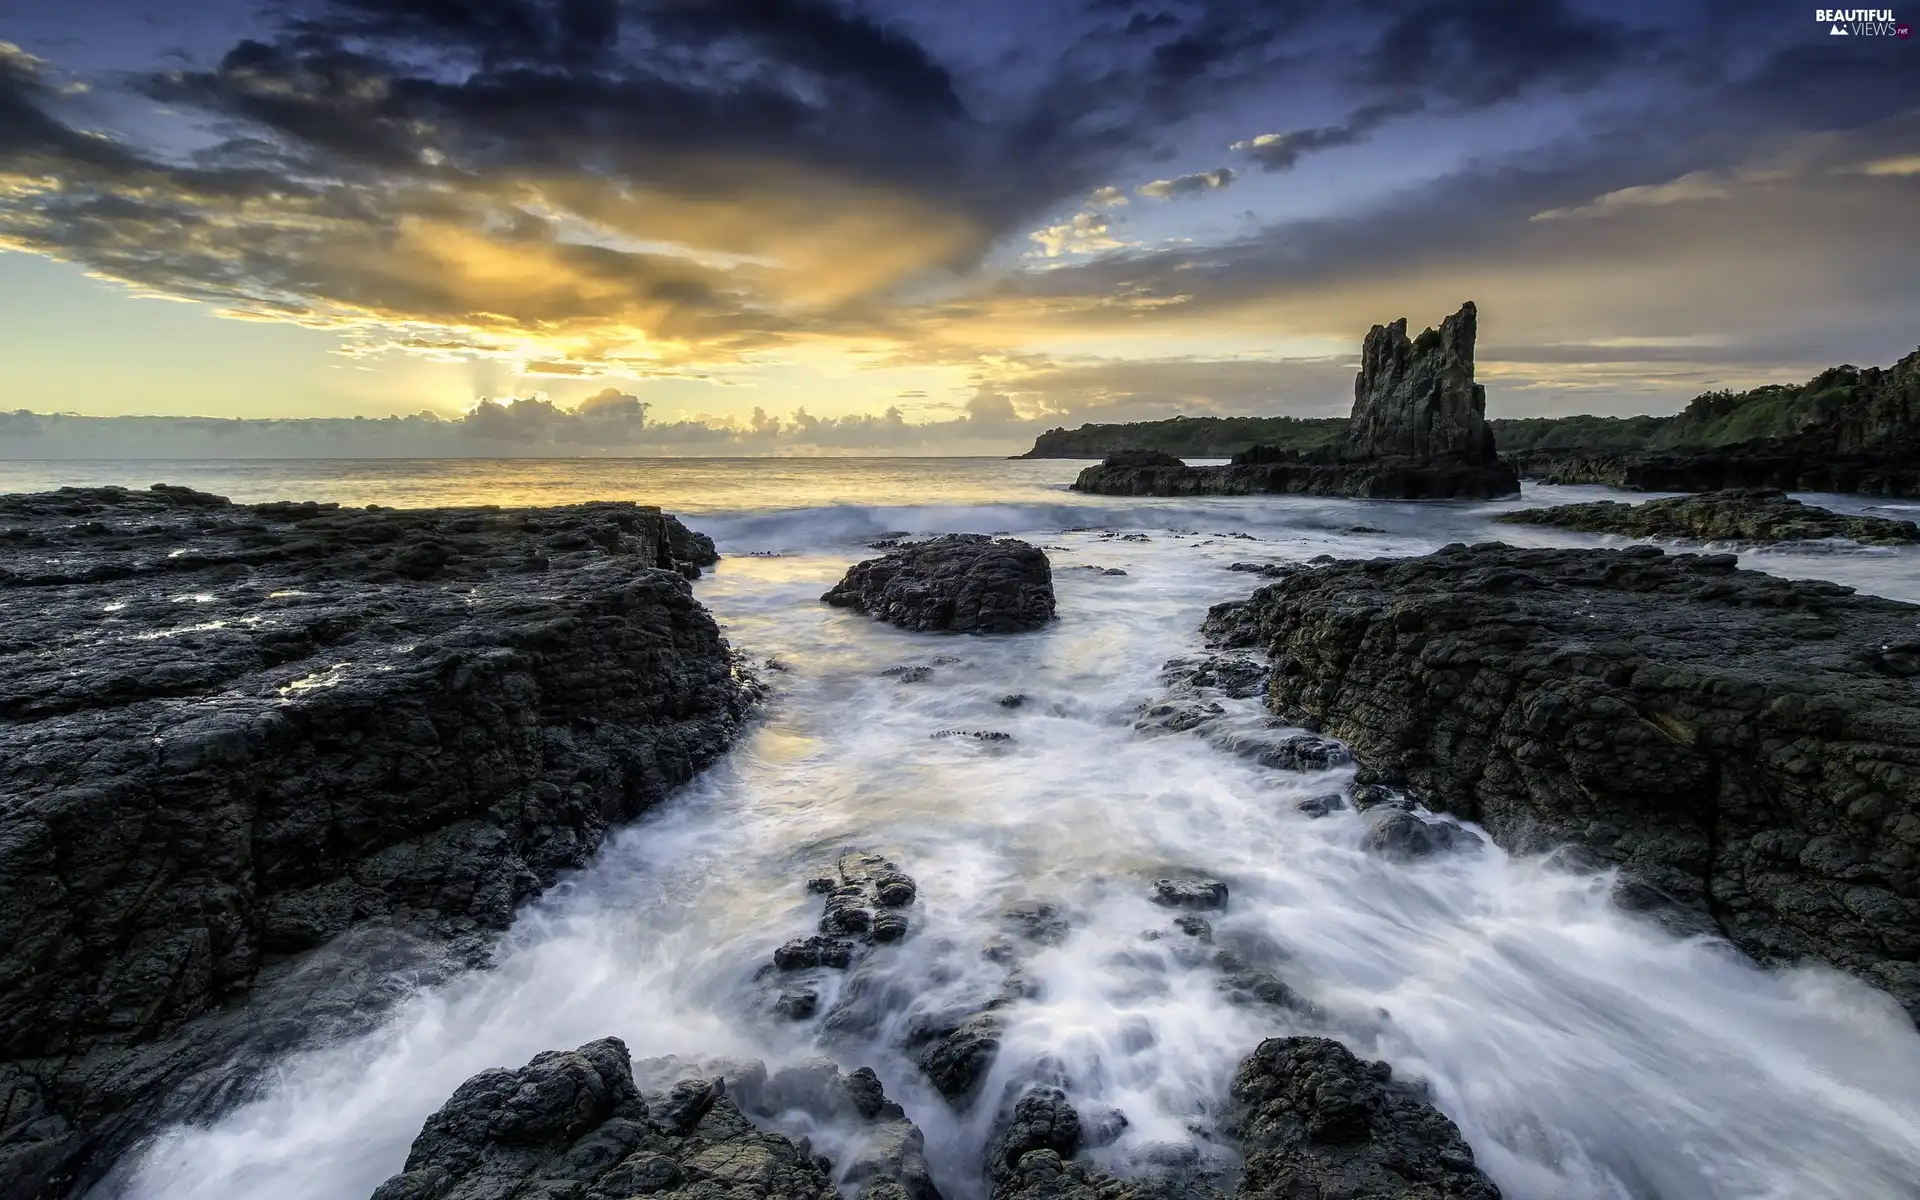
[(956, 1049), (259, 761), (964, 583), (956, 1060), (1746, 748), (1417, 399), (1033, 1158), (1740, 514), (576, 1123), (1772, 464), (1191, 437), (886, 1158), (1323, 473), (1316, 1123), (1203, 895), (1399, 834), (573, 1123), (865, 896), (1418, 431), (1142, 458)]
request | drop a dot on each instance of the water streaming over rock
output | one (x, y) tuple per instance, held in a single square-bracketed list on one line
[(1583, 1052)]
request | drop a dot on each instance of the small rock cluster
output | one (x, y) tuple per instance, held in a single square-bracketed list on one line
[(865, 896), (575, 1124)]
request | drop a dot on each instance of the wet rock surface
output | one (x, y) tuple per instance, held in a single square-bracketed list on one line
[(573, 1123), (1317, 1123), (886, 1158), (1200, 895), (1746, 748), (960, 583), (1416, 398), (1737, 515), (1033, 1158), (1418, 431), (865, 897), (265, 765)]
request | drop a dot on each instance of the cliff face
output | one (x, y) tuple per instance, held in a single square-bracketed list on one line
[(1745, 748), (231, 735), (1417, 399)]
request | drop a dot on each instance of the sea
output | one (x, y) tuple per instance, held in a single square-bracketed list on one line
[(1584, 1051)]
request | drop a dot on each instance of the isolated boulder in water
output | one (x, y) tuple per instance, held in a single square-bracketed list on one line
[(963, 583), (1315, 1121), (1416, 398), (572, 1123)]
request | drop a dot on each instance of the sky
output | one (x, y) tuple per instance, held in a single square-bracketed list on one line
[(865, 226)]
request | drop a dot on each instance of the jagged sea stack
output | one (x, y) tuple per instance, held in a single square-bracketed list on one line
[(1418, 432), (1416, 398)]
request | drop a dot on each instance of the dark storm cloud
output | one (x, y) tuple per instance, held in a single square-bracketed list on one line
[(726, 177), (1472, 55), (1282, 151)]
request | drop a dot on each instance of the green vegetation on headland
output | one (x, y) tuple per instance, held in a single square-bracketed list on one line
[(1847, 409)]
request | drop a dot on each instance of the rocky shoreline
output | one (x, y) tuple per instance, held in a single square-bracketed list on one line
[(1780, 465), (1418, 431), (268, 767), (1744, 748), (266, 763), (1313, 1120), (1755, 515)]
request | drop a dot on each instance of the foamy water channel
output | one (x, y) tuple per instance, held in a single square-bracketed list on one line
[(1584, 1052)]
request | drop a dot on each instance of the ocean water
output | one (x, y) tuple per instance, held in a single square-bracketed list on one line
[(1584, 1052)]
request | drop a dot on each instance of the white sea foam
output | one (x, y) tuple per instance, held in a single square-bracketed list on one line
[(1584, 1052)]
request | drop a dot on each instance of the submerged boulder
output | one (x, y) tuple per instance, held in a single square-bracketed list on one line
[(960, 583)]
